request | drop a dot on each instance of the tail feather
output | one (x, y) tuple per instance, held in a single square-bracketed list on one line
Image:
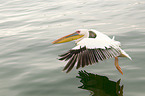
[(124, 54)]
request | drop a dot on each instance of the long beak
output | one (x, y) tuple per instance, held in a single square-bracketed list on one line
[(68, 38)]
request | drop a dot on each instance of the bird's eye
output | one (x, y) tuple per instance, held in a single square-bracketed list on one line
[(78, 31)]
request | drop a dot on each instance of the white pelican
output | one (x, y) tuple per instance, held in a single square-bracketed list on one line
[(91, 47)]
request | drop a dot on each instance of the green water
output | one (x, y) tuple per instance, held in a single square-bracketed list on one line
[(28, 61)]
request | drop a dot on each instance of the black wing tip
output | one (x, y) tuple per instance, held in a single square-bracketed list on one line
[(66, 71), (87, 57)]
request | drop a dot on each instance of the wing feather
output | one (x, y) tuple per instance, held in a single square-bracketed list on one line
[(83, 57), (68, 64), (71, 65), (79, 60)]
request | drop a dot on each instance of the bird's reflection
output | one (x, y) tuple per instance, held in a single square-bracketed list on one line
[(100, 85)]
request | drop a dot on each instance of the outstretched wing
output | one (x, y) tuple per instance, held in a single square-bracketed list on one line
[(85, 56)]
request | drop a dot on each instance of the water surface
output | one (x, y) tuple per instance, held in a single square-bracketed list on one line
[(28, 60)]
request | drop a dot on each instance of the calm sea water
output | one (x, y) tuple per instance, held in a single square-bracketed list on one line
[(28, 60)]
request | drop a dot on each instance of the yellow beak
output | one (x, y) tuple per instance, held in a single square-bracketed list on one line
[(68, 38)]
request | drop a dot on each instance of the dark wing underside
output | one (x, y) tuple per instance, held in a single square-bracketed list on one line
[(84, 57)]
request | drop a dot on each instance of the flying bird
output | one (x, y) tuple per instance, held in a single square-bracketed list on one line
[(91, 47)]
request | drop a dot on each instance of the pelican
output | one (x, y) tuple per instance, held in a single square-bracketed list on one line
[(91, 47)]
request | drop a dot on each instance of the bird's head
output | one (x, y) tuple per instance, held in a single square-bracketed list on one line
[(77, 35)]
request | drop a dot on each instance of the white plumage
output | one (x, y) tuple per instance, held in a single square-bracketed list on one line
[(101, 41), (91, 47)]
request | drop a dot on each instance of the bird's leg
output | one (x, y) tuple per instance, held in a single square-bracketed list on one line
[(117, 65)]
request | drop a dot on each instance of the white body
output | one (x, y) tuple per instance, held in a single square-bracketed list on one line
[(101, 41)]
